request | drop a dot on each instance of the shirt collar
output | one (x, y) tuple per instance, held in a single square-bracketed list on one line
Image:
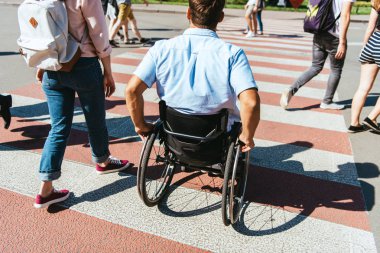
[(200, 32)]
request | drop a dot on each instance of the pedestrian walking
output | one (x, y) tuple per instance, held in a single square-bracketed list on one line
[(125, 15), (332, 44), (5, 113), (250, 17), (260, 6), (112, 13), (86, 21), (370, 63)]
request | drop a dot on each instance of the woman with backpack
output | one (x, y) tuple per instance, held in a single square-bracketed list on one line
[(370, 60), (86, 24)]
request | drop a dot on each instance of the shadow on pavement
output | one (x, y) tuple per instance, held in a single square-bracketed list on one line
[(8, 53), (290, 36), (365, 171), (136, 44), (106, 191), (370, 101), (32, 131), (186, 204), (300, 196), (276, 199)]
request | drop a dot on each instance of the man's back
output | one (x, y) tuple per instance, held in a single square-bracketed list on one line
[(197, 73)]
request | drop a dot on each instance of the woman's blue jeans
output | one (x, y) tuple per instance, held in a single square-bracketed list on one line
[(258, 15), (86, 79)]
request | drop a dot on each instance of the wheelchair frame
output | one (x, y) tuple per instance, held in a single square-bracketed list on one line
[(234, 171)]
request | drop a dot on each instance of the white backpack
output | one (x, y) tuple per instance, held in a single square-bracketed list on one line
[(45, 41)]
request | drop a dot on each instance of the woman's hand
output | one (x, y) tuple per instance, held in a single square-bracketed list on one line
[(39, 76), (109, 84)]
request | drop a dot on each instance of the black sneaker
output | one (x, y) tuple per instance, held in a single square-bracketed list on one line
[(121, 36), (143, 40), (5, 113), (369, 123), (356, 129), (129, 42), (113, 43)]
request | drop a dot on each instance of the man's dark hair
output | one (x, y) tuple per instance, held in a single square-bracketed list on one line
[(206, 13)]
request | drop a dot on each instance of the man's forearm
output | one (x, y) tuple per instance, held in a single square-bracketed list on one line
[(250, 114), (135, 105)]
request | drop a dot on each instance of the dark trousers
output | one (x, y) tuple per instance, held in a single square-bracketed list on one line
[(324, 45), (259, 20), (105, 4)]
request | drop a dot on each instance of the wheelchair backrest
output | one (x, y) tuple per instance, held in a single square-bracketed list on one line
[(195, 139)]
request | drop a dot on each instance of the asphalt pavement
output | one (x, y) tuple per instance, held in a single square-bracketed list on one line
[(310, 174)]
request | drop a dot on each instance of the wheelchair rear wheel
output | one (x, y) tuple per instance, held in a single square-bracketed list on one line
[(234, 184), (155, 172)]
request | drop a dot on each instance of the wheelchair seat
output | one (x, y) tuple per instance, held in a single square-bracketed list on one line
[(197, 140)]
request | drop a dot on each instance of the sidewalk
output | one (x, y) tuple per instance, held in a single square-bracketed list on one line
[(179, 9)]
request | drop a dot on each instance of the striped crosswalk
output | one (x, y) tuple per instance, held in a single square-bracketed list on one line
[(303, 192)]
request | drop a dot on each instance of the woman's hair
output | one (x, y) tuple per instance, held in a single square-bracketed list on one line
[(206, 13), (376, 4)]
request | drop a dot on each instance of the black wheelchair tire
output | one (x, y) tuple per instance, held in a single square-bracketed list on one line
[(225, 191), (231, 212), (142, 171)]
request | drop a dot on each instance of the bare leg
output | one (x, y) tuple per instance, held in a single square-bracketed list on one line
[(112, 23), (249, 22), (135, 30), (115, 29), (367, 77), (125, 31), (375, 112), (254, 21)]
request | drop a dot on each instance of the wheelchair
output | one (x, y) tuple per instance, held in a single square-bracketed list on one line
[(197, 143)]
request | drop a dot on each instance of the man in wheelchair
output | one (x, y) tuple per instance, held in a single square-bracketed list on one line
[(202, 79), (198, 74)]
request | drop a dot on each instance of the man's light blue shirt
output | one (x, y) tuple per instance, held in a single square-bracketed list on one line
[(197, 73)]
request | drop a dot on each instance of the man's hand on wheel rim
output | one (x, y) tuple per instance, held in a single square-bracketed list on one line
[(248, 143), (144, 130)]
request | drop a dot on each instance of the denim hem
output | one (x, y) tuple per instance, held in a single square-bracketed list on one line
[(101, 159), (46, 176)]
